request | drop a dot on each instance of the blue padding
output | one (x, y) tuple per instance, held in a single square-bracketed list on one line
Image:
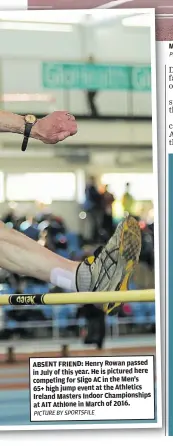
[(11, 324), (111, 320), (6, 289), (81, 322), (73, 241), (138, 313), (62, 315)]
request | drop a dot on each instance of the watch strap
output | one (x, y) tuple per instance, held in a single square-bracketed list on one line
[(27, 131)]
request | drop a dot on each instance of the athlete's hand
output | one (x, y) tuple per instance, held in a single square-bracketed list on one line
[(54, 127)]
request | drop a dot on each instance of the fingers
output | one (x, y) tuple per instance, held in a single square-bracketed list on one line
[(73, 129), (64, 115), (63, 135), (71, 126), (68, 122), (55, 127), (66, 133), (70, 117)]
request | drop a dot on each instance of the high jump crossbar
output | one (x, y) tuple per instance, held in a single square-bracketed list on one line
[(78, 298)]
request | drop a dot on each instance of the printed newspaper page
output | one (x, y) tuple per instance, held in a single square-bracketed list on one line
[(167, 51), (80, 286)]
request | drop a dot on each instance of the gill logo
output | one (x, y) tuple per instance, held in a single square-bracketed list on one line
[(27, 300)]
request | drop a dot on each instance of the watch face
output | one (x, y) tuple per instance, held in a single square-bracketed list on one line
[(30, 119)]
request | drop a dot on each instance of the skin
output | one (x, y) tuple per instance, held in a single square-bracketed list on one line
[(21, 255), (51, 129), (18, 253)]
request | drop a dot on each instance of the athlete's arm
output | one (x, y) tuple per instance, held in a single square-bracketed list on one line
[(11, 122), (51, 129), (21, 255)]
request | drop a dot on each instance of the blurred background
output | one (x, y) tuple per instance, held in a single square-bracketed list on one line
[(71, 196)]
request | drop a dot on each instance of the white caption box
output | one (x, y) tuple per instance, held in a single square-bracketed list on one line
[(93, 388)]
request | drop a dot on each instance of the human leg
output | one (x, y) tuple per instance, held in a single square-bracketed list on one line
[(108, 270)]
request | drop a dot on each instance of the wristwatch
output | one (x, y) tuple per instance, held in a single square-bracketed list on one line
[(30, 120)]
